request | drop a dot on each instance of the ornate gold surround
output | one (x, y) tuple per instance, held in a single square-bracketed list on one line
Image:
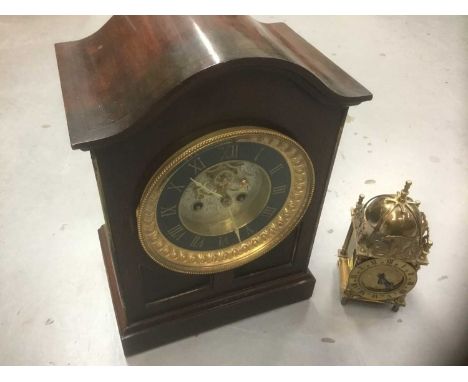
[(175, 258)]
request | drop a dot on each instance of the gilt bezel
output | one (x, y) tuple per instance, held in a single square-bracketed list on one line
[(175, 258), (356, 287)]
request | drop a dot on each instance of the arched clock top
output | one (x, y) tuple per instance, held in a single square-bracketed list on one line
[(114, 77)]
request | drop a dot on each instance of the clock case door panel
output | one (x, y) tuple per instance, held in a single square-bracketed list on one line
[(299, 93), (250, 96)]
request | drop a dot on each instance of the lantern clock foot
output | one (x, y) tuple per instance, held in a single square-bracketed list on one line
[(395, 308)]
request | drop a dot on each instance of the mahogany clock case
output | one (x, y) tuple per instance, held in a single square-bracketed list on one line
[(138, 90)]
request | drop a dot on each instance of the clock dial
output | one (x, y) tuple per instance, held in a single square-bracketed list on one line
[(224, 200), (382, 279)]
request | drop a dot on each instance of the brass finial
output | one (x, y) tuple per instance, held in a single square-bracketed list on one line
[(361, 198), (404, 193)]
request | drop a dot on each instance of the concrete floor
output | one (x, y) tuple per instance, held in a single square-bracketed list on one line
[(55, 307)]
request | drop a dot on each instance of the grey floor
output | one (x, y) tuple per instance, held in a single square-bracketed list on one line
[(55, 307)]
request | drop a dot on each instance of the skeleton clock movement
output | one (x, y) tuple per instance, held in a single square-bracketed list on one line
[(212, 140)]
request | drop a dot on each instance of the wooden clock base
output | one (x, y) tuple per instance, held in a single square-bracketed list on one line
[(208, 314)]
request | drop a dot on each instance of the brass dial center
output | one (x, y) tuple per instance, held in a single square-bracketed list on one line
[(230, 193)]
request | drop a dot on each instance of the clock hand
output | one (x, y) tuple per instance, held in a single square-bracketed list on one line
[(383, 280), (201, 185), (236, 230)]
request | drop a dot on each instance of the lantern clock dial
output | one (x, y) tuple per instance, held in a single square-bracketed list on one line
[(382, 279), (224, 200)]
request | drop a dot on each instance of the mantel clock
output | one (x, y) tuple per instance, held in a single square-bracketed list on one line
[(212, 140)]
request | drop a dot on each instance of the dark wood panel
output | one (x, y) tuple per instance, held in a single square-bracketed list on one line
[(165, 285)]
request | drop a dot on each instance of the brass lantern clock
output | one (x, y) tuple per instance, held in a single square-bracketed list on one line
[(387, 242), (212, 140)]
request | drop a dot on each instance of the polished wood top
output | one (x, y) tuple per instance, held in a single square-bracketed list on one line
[(133, 65)]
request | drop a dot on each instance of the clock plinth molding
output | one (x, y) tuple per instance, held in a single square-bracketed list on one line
[(142, 87)]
